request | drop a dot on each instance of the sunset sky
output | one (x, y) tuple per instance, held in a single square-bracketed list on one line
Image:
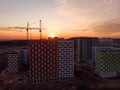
[(64, 18)]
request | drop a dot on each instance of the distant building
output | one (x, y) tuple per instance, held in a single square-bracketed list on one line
[(107, 63), (105, 48), (106, 42), (55, 38), (13, 61), (96, 49), (114, 42), (24, 54), (51, 60), (83, 48)]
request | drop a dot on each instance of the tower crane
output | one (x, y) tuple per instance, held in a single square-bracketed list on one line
[(26, 28), (30, 28), (40, 29)]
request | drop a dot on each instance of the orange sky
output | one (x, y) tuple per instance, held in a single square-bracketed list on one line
[(64, 18)]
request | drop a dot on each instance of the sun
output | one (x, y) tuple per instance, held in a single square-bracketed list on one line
[(52, 35)]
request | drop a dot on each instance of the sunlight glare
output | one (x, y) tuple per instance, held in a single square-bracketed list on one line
[(52, 35)]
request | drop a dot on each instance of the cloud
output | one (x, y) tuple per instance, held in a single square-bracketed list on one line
[(89, 8), (3, 28), (84, 13), (107, 27), (110, 28)]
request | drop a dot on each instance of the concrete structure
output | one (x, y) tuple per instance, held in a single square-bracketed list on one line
[(13, 61), (107, 63), (66, 59), (83, 48), (96, 49), (114, 42), (43, 61), (24, 54), (106, 42), (51, 60)]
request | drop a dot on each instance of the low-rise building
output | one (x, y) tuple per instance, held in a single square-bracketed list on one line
[(96, 49), (13, 61), (107, 63)]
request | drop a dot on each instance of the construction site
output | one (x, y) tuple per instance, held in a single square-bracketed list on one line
[(84, 76)]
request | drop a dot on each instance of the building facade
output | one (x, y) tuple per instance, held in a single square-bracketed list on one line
[(107, 63), (66, 59), (48, 61), (96, 49), (13, 61), (114, 42), (43, 61), (24, 54), (106, 42), (83, 48)]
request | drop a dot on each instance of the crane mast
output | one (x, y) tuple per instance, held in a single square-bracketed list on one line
[(31, 28), (40, 30), (27, 30)]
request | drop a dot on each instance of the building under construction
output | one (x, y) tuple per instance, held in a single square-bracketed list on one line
[(51, 60)]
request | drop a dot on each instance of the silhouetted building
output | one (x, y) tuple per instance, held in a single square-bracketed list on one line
[(83, 48), (55, 38), (106, 42), (24, 54), (116, 42), (51, 60)]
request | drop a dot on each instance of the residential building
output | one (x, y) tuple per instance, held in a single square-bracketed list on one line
[(13, 61), (114, 42), (51, 60), (83, 48), (107, 63), (24, 54), (106, 42), (96, 49), (66, 59)]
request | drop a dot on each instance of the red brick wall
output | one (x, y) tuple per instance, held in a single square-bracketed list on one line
[(43, 59)]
